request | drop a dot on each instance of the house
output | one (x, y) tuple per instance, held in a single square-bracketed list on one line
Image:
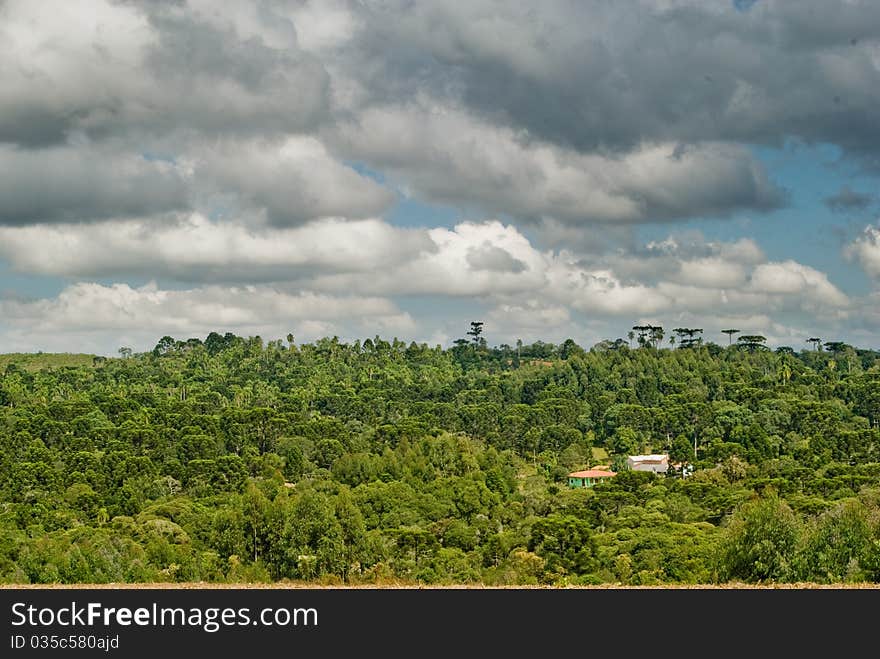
[(657, 463), (588, 478), (683, 468)]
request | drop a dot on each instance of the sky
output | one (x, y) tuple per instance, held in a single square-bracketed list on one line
[(562, 169)]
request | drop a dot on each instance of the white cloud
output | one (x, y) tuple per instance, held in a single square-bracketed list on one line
[(141, 315), (713, 272), (193, 248), (122, 69), (866, 250), (483, 260), (530, 315), (792, 278)]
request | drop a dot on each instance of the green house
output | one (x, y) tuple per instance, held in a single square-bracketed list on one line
[(589, 477)]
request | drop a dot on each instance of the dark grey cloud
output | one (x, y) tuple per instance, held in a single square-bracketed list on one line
[(451, 157), (293, 182), (494, 259), (544, 113), (606, 75), (847, 200), (84, 184), (218, 80)]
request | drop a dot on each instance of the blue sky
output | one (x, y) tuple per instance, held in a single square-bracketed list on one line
[(353, 169)]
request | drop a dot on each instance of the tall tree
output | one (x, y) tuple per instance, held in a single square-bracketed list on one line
[(730, 333), (642, 333), (656, 335), (475, 331), (688, 337)]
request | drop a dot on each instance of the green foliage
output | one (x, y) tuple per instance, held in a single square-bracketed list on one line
[(234, 459), (761, 542)]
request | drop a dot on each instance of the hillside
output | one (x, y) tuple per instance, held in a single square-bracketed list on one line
[(231, 460)]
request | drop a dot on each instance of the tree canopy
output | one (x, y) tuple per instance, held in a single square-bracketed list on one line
[(233, 459)]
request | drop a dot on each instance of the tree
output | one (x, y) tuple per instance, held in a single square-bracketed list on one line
[(656, 335), (163, 347), (752, 342), (215, 343), (566, 543), (649, 334), (687, 337), (475, 331), (643, 332), (125, 352), (835, 346), (730, 333), (761, 542), (816, 341), (785, 372), (841, 546)]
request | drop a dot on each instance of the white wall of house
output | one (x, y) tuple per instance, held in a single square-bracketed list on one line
[(658, 467)]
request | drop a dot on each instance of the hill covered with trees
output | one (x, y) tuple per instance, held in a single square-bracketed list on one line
[(230, 459)]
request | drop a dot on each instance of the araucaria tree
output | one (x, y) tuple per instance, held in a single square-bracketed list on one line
[(475, 331), (730, 333)]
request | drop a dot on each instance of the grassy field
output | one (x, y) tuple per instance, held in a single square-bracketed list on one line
[(41, 360), (600, 455)]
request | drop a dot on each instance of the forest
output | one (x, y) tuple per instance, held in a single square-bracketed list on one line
[(230, 459)]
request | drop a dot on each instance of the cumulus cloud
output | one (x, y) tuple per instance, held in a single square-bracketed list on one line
[(866, 250), (292, 182), (141, 314), (193, 248), (334, 274), (263, 143), (792, 278), (488, 260), (114, 68), (448, 156), (85, 183), (490, 257), (601, 75)]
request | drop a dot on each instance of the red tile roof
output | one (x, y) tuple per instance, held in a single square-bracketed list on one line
[(592, 473)]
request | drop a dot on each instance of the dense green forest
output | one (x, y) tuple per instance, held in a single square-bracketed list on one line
[(235, 460)]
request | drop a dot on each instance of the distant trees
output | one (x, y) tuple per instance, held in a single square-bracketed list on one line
[(834, 346), (648, 334), (688, 337), (234, 459)]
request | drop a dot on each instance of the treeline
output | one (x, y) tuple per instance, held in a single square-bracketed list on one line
[(231, 459)]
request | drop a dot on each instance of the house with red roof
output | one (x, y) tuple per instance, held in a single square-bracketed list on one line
[(589, 477)]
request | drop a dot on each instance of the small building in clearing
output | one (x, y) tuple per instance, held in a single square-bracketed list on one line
[(589, 477), (657, 463)]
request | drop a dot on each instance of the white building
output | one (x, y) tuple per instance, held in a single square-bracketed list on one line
[(657, 463)]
